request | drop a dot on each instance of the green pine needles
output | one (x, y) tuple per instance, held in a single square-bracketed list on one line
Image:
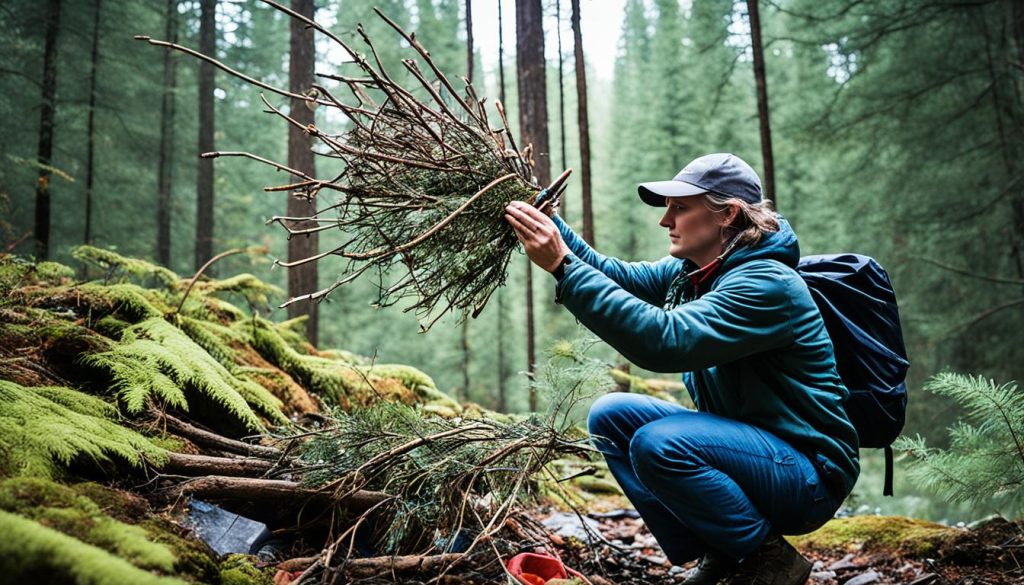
[(447, 475), (984, 463), (46, 428)]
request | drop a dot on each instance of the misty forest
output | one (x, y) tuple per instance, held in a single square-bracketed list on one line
[(264, 320)]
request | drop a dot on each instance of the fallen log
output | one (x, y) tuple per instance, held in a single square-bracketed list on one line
[(193, 465), (250, 490)]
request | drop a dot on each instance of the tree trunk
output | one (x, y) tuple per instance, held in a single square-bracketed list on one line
[(469, 40), (204, 174), (533, 126), (501, 57), (561, 98), (466, 354), (90, 148), (502, 404), (47, 110), (302, 279), (762, 101), (166, 156), (583, 119)]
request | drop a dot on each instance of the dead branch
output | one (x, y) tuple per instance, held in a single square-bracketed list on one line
[(245, 489), (215, 441), (192, 465)]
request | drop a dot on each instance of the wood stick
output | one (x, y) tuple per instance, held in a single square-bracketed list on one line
[(185, 464), (221, 487), (372, 566), (215, 441)]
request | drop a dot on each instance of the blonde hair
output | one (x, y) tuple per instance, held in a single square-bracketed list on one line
[(752, 222)]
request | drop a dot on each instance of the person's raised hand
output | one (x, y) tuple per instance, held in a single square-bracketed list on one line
[(538, 233)]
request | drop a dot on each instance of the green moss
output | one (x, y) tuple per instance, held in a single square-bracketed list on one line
[(119, 505), (254, 290), (63, 509), (638, 385), (129, 302), (293, 332), (118, 266), (34, 553), (240, 569), (344, 383), (917, 538), (194, 560), (54, 272), (46, 428), (111, 326), (157, 360), (16, 272)]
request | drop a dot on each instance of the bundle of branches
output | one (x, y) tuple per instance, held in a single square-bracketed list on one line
[(454, 487), (424, 184), (454, 482)]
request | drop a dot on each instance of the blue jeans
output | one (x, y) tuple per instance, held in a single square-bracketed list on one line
[(702, 481)]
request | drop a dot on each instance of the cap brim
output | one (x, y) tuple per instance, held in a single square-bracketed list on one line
[(655, 192)]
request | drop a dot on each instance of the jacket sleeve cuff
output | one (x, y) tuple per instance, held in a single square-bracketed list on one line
[(568, 264)]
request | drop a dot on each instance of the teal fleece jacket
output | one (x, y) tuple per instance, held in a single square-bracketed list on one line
[(753, 347)]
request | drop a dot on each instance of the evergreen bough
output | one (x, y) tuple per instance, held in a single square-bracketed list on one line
[(423, 183), (984, 462)]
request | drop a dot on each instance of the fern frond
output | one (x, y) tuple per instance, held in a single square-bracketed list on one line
[(156, 359), (45, 429)]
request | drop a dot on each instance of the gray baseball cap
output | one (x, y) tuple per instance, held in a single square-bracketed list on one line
[(721, 172)]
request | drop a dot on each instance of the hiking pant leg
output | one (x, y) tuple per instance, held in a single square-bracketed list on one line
[(612, 421), (729, 482)]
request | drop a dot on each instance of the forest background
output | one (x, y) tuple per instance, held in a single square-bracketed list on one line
[(897, 131)]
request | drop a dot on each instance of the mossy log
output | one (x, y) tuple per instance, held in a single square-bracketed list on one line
[(897, 534)]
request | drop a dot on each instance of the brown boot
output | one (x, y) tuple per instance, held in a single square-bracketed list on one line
[(711, 569), (774, 562)]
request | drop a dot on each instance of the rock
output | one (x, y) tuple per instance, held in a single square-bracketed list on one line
[(225, 531), (655, 559), (566, 524), (843, 563), (615, 514), (869, 576), (986, 521)]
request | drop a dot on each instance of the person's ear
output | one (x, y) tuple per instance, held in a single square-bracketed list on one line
[(731, 214)]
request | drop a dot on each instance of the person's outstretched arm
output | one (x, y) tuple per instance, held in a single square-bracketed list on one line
[(646, 280), (748, 312)]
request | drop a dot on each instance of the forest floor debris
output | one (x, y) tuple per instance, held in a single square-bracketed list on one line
[(377, 476)]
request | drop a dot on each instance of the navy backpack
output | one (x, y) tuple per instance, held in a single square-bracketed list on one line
[(858, 304)]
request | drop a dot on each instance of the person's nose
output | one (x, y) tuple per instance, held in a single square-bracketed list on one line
[(665, 221)]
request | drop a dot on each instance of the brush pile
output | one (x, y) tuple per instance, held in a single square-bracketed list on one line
[(423, 183)]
